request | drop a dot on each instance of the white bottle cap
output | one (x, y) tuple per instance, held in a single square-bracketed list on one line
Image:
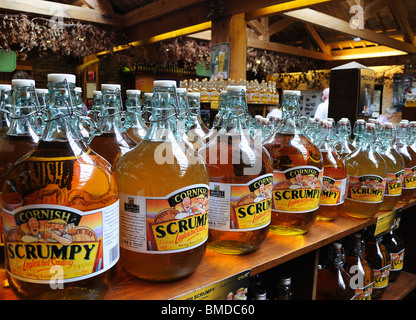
[(148, 94), (181, 90), (78, 89), (96, 93), (60, 77), (23, 82), (42, 91), (132, 91), (107, 86), (236, 88), (5, 87), (164, 83), (292, 92), (194, 94)]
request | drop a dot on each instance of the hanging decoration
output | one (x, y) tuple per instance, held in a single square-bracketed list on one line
[(23, 34)]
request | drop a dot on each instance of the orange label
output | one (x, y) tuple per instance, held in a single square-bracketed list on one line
[(241, 206), (297, 189), (368, 188), (394, 184), (409, 179), (333, 191), (177, 222), (39, 238)]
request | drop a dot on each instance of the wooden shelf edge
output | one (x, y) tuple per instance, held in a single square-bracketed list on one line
[(216, 267)]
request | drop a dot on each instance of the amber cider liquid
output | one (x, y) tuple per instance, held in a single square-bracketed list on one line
[(234, 242), (409, 157), (359, 164), (12, 148), (139, 174), (98, 190), (112, 146), (291, 151)]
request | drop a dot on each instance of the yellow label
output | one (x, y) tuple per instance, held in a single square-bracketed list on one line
[(180, 234), (397, 260), (35, 261), (394, 184), (177, 222), (368, 188), (333, 191), (409, 179), (254, 215), (236, 207), (297, 189), (381, 277), (41, 237)]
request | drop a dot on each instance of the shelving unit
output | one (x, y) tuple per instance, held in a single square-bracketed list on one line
[(300, 251)]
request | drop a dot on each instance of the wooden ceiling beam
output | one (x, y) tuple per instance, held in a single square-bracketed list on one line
[(317, 38), (280, 25), (54, 9), (103, 6), (156, 9), (401, 17), (283, 48), (282, 7), (332, 23), (371, 9)]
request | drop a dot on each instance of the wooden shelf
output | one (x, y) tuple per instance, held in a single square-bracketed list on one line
[(273, 252)]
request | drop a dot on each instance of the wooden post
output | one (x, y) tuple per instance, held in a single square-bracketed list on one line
[(232, 29)]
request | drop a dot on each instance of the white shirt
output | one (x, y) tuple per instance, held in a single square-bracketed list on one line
[(322, 110), (276, 113)]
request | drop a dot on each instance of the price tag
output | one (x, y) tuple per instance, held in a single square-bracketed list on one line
[(232, 288), (386, 222)]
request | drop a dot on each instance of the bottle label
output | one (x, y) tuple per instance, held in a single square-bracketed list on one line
[(394, 184), (409, 179), (397, 260), (44, 242), (381, 277), (297, 189), (157, 225), (237, 207), (364, 293), (368, 188), (333, 191)]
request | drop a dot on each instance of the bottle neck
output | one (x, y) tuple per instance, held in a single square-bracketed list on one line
[(61, 124), (110, 117), (24, 113), (134, 112), (163, 121), (234, 116)]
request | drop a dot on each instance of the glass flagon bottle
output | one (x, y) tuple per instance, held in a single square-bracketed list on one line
[(379, 259), (135, 125), (366, 172), (333, 282), (21, 136), (111, 140), (197, 129), (334, 179), (395, 167), (164, 198), (60, 206), (297, 172), (241, 178), (401, 145), (395, 246), (359, 269)]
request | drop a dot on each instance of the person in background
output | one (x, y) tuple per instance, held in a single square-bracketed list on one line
[(275, 112), (387, 115), (322, 109)]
